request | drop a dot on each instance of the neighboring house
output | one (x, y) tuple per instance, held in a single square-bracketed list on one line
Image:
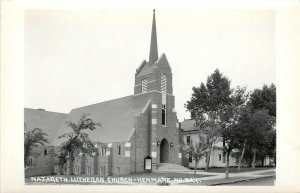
[(190, 135), (133, 127)]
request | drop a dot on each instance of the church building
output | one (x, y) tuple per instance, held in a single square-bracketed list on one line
[(133, 127)]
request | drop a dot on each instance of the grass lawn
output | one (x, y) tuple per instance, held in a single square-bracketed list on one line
[(234, 169), (138, 178)]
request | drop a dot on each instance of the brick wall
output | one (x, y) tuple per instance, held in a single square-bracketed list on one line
[(170, 132), (120, 164), (42, 163), (140, 140)]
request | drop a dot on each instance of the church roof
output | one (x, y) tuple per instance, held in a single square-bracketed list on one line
[(115, 116), (49, 122)]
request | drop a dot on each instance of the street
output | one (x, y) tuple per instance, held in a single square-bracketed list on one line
[(269, 181)]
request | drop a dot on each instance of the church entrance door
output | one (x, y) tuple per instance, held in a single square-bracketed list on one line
[(164, 151)]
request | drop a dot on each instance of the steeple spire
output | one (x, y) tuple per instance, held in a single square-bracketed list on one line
[(153, 56)]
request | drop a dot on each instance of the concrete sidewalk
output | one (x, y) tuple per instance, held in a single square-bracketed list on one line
[(241, 174), (219, 178)]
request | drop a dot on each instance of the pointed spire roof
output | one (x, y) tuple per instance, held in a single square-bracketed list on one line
[(153, 56)]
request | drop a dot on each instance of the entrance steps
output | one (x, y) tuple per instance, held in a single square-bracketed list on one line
[(171, 167)]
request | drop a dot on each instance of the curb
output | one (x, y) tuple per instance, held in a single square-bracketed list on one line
[(243, 180)]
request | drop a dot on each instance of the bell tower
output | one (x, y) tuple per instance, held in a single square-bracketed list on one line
[(153, 83), (155, 74)]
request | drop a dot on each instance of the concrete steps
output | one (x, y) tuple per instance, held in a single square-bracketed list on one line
[(170, 167)]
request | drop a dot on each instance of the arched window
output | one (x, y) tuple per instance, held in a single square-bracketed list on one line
[(144, 85), (163, 81)]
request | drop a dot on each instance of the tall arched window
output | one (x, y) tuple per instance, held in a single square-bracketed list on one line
[(163, 81), (163, 115), (144, 85)]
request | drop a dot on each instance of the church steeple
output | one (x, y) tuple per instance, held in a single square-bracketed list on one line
[(156, 74), (153, 56)]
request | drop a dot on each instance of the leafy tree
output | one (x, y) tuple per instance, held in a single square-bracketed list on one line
[(270, 144), (258, 136), (255, 126), (198, 150), (260, 124), (32, 139), (77, 141), (207, 104), (229, 122), (242, 134), (265, 100)]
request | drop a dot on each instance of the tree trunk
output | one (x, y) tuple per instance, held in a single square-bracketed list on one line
[(250, 162), (71, 165), (61, 169), (242, 156), (254, 158), (227, 165), (262, 161), (208, 158), (195, 169)]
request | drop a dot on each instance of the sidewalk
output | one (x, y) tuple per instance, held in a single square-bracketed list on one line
[(219, 178)]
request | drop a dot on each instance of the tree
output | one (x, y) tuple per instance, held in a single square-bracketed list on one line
[(244, 132), (270, 144), (77, 141), (260, 125), (229, 122), (206, 104), (265, 100), (255, 125), (198, 150), (32, 139)]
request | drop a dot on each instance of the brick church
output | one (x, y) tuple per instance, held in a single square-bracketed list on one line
[(133, 127)]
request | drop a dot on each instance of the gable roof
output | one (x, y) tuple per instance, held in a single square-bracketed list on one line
[(188, 125), (48, 121), (115, 116)]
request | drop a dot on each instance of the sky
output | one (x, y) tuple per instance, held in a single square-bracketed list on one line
[(75, 58)]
